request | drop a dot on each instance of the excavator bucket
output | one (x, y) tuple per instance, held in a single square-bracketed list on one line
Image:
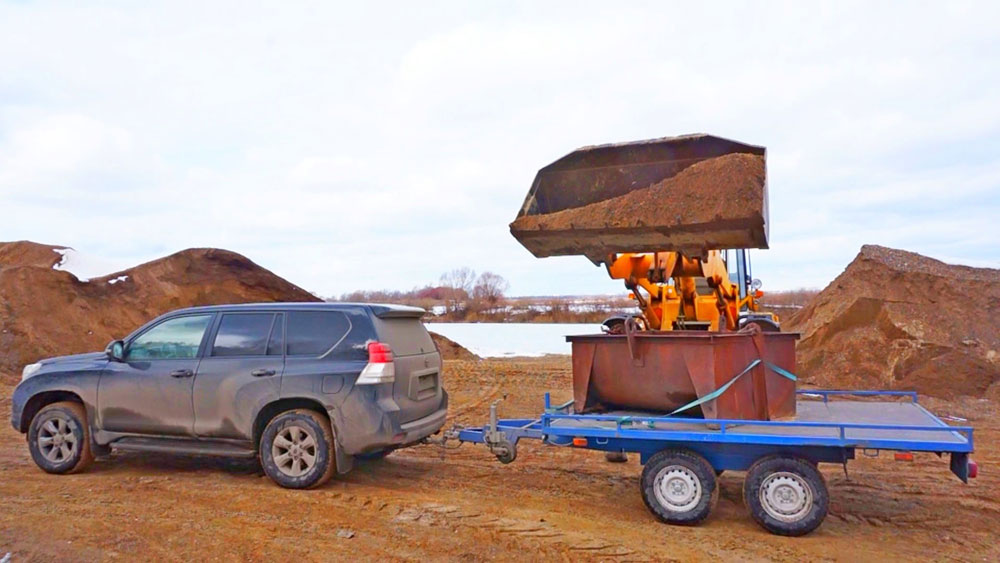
[(689, 194)]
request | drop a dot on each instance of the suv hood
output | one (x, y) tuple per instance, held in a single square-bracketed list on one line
[(74, 358), (66, 364)]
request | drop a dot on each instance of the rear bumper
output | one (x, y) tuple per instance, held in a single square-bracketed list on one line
[(423, 427), (369, 420)]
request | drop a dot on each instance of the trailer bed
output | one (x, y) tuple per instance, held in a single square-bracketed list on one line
[(783, 490), (826, 428), (859, 423)]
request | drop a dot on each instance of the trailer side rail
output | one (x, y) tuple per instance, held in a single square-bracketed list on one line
[(557, 421)]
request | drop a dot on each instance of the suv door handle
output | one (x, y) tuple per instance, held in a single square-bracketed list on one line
[(181, 373), (261, 372)]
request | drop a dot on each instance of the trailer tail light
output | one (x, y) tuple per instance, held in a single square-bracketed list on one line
[(580, 442), (973, 469), (903, 456), (380, 368)]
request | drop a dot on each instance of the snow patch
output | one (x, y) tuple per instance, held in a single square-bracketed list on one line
[(118, 279), (84, 266), (504, 340)]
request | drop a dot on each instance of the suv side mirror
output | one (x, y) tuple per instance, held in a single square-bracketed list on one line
[(115, 351)]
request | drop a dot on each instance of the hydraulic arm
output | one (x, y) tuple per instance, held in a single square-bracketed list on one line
[(665, 285)]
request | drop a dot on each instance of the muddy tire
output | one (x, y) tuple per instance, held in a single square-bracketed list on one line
[(787, 496), (679, 487), (296, 449), (59, 438)]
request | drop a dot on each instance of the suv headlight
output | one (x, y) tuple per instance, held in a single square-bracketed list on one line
[(29, 370)]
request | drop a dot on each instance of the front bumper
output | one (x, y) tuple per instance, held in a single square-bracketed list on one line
[(17, 402)]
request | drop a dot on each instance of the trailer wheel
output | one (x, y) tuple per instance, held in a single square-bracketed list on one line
[(786, 495), (505, 451), (678, 486)]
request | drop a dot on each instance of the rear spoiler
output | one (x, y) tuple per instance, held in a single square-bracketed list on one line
[(397, 311)]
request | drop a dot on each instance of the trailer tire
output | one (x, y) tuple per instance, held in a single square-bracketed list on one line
[(679, 487), (787, 496)]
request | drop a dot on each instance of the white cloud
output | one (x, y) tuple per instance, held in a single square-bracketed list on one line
[(51, 152), (348, 146)]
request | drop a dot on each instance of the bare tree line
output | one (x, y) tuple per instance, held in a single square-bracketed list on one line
[(460, 291)]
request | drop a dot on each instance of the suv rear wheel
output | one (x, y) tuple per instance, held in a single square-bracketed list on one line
[(59, 438), (296, 449)]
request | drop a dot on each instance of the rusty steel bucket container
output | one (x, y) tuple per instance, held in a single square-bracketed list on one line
[(662, 371)]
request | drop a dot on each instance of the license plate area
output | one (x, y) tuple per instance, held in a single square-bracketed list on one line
[(423, 384)]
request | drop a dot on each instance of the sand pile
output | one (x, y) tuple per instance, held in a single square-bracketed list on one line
[(898, 320), (719, 202), (725, 188), (451, 350), (46, 312)]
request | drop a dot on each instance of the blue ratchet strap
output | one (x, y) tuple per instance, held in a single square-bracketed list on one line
[(715, 394)]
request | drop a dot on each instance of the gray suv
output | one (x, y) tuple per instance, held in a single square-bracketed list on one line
[(307, 387)]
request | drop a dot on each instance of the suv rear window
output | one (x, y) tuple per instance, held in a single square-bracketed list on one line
[(406, 337)]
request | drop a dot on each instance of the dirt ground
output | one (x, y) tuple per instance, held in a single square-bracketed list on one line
[(550, 504)]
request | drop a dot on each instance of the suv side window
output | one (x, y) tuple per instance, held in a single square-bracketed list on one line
[(173, 339), (355, 346), (276, 345), (314, 333), (243, 334)]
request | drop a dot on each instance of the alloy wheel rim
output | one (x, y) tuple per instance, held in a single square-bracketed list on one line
[(56, 440), (294, 450)]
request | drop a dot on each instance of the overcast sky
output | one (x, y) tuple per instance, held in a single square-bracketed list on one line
[(376, 145)]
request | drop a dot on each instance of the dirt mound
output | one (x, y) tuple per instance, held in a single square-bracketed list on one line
[(451, 350), (898, 320), (46, 312), (709, 191), (27, 253)]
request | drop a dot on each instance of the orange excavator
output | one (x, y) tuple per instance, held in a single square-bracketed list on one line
[(677, 292), (685, 272)]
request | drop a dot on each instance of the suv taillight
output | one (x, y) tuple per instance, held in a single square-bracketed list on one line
[(380, 368), (379, 353)]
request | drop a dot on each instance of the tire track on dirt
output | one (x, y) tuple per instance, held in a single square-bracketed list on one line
[(435, 514)]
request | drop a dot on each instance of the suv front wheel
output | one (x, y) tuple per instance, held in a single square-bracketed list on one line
[(59, 438), (296, 449)]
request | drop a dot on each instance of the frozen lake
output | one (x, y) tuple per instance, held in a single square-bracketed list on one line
[(492, 340)]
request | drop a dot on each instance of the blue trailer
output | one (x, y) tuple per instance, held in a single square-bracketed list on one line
[(783, 490)]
